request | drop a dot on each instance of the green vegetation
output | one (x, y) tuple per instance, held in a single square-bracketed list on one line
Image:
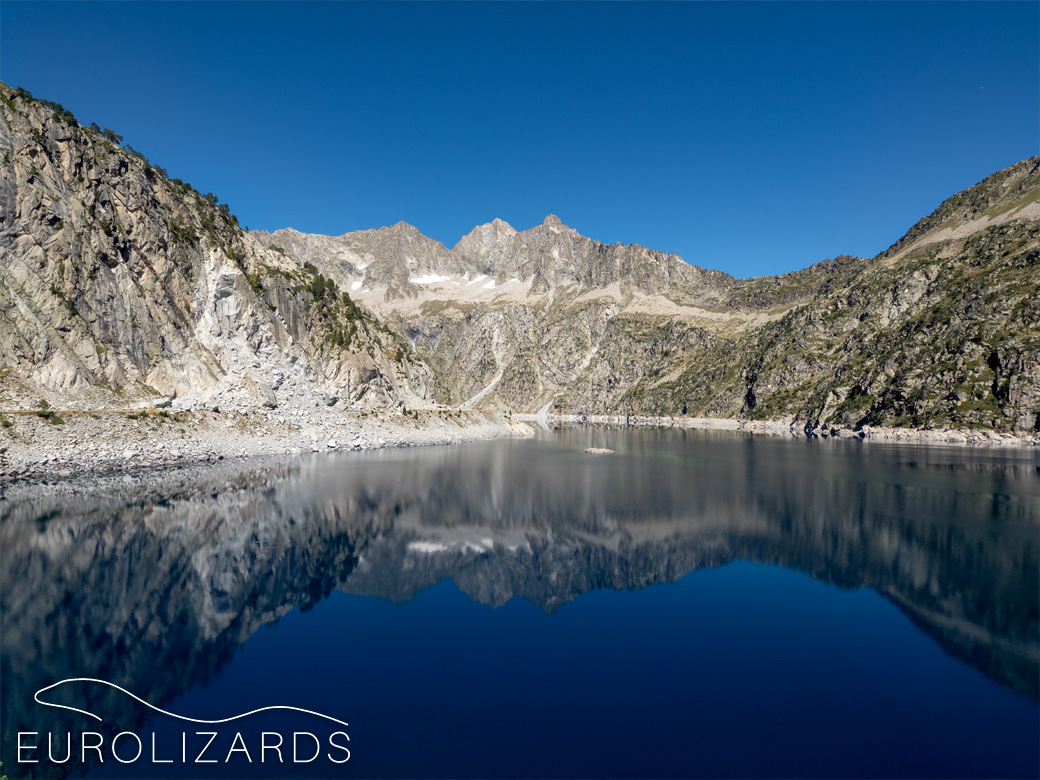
[(69, 305), (932, 342), (181, 232), (60, 113), (339, 313)]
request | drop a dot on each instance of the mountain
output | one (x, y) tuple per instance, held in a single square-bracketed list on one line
[(119, 283), (939, 330)]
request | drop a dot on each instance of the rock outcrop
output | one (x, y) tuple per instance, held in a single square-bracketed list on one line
[(938, 331), (119, 284)]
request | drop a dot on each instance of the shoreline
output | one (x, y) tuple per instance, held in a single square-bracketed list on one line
[(68, 443), (790, 428)]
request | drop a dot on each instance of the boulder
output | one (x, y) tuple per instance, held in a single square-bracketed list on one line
[(259, 390)]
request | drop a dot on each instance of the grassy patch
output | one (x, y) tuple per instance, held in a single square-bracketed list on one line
[(1025, 200)]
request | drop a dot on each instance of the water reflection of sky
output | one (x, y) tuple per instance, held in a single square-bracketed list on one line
[(814, 611), (746, 670)]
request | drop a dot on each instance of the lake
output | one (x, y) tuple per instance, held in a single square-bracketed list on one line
[(696, 604)]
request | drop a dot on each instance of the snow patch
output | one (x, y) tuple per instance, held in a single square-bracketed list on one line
[(356, 285), (426, 547), (428, 279)]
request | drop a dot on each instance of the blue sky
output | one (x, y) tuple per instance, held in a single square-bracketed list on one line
[(754, 138)]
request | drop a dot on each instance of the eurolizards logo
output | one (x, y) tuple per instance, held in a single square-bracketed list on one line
[(198, 747)]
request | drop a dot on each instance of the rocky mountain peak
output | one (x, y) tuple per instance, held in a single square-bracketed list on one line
[(553, 224), (496, 229), (116, 278)]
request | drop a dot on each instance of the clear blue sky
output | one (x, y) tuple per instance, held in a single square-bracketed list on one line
[(753, 138)]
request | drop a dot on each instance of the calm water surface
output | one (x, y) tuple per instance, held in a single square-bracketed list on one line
[(698, 604)]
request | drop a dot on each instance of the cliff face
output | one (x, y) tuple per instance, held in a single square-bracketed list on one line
[(119, 283), (940, 330), (544, 317)]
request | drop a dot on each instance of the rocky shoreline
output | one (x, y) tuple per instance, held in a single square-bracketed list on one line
[(789, 427), (65, 443)]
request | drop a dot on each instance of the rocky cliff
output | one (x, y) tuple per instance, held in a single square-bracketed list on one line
[(942, 329), (938, 331), (119, 283)]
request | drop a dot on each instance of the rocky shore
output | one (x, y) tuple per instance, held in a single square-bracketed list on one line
[(791, 427), (63, 443)]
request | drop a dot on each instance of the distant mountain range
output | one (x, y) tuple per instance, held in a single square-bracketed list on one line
[(119, 281)]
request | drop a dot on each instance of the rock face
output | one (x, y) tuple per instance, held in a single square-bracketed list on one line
[(120, 284), (940, 330)]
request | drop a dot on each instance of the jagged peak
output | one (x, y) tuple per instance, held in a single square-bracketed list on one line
[(496, 226), (503, 226), (489, 232), (398, 230), (553, 224)]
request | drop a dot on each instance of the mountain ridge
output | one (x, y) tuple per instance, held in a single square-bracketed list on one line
[(729, 345), (119, 279)]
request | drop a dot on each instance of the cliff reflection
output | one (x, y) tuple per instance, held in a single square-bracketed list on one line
[(153, 583)]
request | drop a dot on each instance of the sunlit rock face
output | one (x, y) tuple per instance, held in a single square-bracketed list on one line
[(120, 284), (936, 331)]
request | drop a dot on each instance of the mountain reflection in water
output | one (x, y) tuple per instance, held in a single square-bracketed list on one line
[(153, 583)]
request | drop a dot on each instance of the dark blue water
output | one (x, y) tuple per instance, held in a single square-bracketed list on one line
[(695, 605)]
